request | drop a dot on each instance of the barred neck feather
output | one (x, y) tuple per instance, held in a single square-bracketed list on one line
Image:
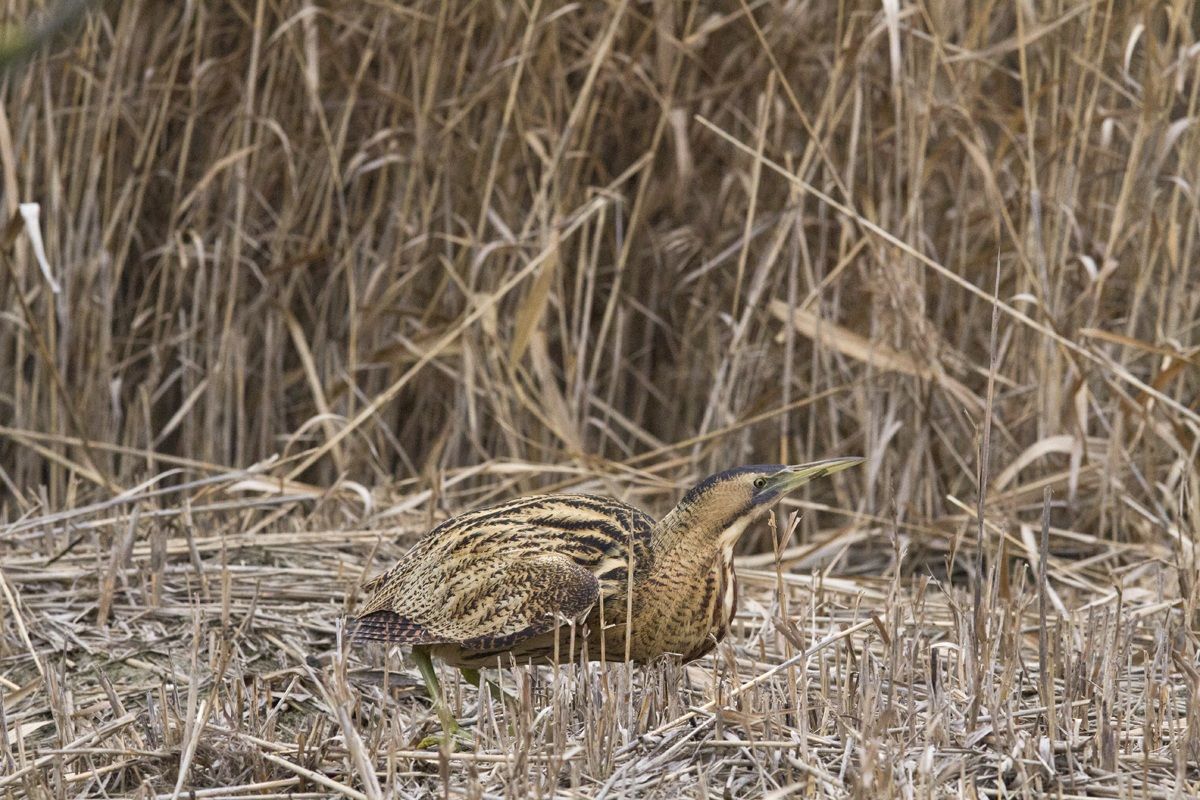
[(703, 523)]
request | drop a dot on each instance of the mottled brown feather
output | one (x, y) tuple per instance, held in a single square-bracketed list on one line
[(388, 626), (565, 576), (490, 579)]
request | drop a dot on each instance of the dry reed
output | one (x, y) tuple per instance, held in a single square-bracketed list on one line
[(328, 273)]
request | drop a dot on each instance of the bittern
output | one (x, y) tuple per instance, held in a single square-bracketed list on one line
[(575, 576)]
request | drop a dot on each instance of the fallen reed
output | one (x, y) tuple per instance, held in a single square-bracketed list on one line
[(317, 276)]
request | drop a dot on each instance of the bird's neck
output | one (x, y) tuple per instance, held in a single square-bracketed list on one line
[(693, 556), (693, 534)]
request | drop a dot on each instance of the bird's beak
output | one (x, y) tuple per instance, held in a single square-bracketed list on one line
[(793, 477)]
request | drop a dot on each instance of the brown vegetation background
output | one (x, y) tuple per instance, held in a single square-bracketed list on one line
[(331, 272)]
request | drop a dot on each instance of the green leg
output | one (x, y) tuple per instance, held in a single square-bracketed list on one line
[(450, 727), (474, 678)]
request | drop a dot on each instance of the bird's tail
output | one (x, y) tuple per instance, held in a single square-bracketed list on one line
[(388, 626)]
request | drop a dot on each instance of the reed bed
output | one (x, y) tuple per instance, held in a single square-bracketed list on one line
[(306, 278)]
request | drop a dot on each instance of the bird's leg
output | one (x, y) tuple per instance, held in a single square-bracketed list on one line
[(509, 701), (476, 679), (451, 730), (471, 676)]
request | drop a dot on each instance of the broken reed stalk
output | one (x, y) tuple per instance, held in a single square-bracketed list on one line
[(331, 273)]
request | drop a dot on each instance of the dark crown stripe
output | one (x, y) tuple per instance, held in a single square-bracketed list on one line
[(703, 486)]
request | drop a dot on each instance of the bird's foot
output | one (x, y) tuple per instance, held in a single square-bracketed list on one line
[(452, 737), (450, 741), (476, 679)]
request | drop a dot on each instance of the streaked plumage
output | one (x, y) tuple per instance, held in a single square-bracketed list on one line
[(504, 581), (501, 578)]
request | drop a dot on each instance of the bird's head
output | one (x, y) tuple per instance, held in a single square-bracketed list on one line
[(726, 503)]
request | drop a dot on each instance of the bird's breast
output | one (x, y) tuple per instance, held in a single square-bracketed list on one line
[(684, 608), (722, 602)]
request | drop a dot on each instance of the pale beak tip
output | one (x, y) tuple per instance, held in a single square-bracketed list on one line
[(819, 469), (839, 464)]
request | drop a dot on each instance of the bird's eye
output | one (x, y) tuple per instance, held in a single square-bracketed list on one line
[(760, 483)]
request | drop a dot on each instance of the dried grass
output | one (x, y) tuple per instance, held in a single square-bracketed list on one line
[(330, 273)]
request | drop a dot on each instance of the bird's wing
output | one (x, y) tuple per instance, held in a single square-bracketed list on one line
[(489, 605), (531, 597), (503, 573)]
